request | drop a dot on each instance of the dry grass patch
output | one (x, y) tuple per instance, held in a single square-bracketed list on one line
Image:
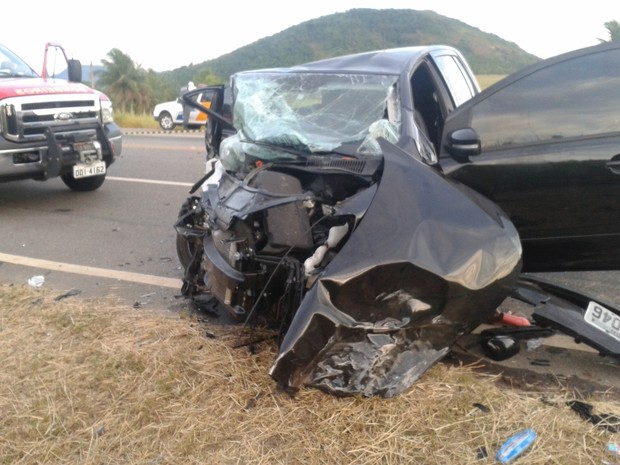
[(93, 382), (487, 80)]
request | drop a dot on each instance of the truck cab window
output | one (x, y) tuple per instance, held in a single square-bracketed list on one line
[(456, 78), (429, 117)]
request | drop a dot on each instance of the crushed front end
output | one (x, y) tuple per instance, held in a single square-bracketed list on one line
[(313, 219)]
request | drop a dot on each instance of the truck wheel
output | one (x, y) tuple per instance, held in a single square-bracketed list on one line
[(84, 184), (166, 122)]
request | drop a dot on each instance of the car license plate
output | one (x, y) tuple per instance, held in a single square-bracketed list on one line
[(85, 170), (603, 319)]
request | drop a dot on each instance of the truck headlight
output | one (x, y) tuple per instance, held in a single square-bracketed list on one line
[(107, 114)]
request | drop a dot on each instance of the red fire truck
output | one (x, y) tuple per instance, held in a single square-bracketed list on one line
[(52, 125)]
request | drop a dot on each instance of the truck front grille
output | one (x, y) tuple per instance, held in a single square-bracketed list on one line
[(24, 119)]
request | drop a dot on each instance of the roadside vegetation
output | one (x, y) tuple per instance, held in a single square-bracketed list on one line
[(133, 120), (93, 381)]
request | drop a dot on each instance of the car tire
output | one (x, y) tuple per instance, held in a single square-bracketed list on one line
[(166, 122), (84, 184), (185, 248)]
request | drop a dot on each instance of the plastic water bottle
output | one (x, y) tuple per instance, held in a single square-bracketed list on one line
[(515, 445)]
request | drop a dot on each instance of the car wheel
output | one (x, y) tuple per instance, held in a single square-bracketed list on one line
[(166, 122), (186, 248), (83, 184)]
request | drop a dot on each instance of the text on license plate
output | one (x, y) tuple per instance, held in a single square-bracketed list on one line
[(83, 170), (604, 319)]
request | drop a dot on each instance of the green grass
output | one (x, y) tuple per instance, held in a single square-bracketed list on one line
[(132, 120)]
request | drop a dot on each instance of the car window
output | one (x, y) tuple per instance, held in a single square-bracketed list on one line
[(574, 98), (457, 80)]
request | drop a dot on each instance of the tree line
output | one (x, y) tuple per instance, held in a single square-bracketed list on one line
[(135, 90)]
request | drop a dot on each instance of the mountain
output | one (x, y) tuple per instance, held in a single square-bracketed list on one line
[(363, 29)]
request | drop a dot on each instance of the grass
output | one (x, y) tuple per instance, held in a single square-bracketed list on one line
[(485, 80), (95, 382), (138, 121)]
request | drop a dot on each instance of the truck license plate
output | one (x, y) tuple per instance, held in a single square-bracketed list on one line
[(85, 170), (603, 319)]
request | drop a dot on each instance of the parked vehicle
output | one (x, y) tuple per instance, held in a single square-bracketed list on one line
[(51, 127), (170, 114), (545, 146), (375, 207)]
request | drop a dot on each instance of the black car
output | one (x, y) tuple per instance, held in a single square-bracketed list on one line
[(376, 206), (549, 155)]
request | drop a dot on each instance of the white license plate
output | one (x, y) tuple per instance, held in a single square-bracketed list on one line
[(86, 170), (603, 319)]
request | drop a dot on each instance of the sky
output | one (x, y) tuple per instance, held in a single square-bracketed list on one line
[(167, 35)]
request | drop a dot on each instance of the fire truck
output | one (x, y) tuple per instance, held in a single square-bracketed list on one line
[(52, 125)]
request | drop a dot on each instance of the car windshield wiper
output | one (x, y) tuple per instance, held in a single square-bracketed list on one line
[(346, 150), (280, 148)]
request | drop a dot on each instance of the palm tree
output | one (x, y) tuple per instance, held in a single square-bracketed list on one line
[(125, 83), (613, 27)]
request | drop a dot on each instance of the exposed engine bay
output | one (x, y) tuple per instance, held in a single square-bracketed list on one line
[(257, 243)]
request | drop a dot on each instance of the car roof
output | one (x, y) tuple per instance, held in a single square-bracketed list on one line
[(389, 61)]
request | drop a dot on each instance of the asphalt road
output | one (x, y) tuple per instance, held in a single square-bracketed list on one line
[(116, 241)]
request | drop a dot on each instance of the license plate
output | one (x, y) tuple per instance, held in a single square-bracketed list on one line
[(603, 319), (84, 170)]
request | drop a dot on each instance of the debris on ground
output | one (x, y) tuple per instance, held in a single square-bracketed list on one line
[(36, 281), (516, 445), (603, 420)]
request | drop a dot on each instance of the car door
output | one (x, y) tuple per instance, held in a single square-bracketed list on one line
[(219, 123), (548, 144), (214, 104)]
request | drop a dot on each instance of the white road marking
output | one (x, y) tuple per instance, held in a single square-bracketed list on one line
[(150, 181), (91, 271)]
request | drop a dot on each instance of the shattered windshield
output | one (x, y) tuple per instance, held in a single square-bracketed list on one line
[(316, 112), (12, 66)]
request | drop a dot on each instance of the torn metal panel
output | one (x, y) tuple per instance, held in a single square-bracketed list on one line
[(415, 275)]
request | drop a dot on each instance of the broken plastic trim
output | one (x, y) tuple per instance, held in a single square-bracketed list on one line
[(565, 310)]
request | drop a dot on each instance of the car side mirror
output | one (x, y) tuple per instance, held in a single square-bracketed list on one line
[(74, 70), (463, 143)]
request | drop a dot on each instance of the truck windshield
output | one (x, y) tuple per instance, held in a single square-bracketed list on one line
[(315, 112), (13, 66)]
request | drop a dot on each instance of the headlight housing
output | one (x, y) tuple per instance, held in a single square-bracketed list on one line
[(107, 113)]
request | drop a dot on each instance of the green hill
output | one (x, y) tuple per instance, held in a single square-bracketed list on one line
[(361, 30)]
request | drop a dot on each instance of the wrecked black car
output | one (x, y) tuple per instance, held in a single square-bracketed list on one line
[(369, 207)]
